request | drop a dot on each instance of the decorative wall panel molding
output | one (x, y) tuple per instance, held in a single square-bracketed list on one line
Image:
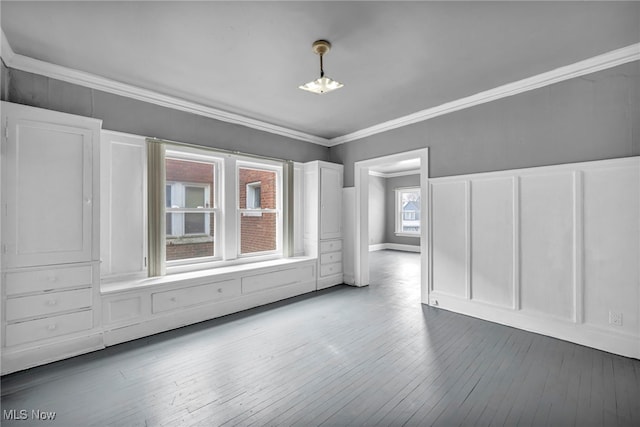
[(552, 250)]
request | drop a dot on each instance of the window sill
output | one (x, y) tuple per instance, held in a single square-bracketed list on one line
[(185, 278)]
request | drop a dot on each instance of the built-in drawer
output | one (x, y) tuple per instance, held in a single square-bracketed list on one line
[(21, 282), (330, 269), (49, 327), (330, 246), (275, 279), (330, 258), (47, 303), (202, 294)]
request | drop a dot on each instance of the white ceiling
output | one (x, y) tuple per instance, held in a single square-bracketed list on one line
[(395, 58)]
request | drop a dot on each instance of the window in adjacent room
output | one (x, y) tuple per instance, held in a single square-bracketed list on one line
[(408, 211), (254, 195)]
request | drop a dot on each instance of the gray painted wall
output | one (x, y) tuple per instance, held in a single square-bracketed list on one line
[(377, 210), (390, 225), (128, 115), (592, 117)]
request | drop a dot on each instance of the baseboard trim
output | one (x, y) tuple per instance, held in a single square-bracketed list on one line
[(394, 247), (580, 333), (24, 358)]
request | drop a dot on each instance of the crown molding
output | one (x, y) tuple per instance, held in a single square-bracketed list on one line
[(25, 63), (6, 52), (588, 66)]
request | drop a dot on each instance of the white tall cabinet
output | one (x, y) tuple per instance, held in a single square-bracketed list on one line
[(323, 219), (49, 234)]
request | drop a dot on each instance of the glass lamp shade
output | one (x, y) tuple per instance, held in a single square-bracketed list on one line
[(321, 85)]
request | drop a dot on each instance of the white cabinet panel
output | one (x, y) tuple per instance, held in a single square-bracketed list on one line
[(298, 209), (123, 226), (123, 308), (330, 203), (612, 254), (546, 242), (449, 237), (492, 241), (311, 210), (48, 192)]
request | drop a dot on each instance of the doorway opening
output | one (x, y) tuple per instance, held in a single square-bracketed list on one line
[(391, 196)]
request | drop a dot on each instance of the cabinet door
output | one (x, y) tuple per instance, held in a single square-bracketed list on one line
[(123, 216), (330, 203), (47, 187)]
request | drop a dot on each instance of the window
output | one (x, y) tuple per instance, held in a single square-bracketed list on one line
[(259, 208), (214, 209), (408, 211), (190, 208)]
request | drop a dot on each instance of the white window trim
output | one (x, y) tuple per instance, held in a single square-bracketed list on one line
[(398, 212)]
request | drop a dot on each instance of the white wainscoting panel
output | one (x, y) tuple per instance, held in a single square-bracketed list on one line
[(546, 243), (450, 241), (553, 250), (492, 241), (612, 255)]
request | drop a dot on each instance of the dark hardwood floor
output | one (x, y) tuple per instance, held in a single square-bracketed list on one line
[(343, 356)]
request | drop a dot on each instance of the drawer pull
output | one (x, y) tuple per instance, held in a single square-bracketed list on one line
[(52, 278), (52, 302), (219, 290), (173, 299), (52, 327)]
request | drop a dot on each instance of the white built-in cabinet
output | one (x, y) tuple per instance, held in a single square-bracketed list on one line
[(323, 219), (74, 243), (50, 235), (123, 215)]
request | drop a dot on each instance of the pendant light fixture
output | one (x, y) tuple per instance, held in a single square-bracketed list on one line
[(323, 84)]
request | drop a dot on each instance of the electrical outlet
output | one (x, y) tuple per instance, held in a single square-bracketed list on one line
[(615, 318)]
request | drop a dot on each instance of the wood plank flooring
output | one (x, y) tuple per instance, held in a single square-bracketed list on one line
[(340, 357)]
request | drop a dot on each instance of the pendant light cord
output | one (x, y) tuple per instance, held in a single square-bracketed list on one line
[(321, 69)]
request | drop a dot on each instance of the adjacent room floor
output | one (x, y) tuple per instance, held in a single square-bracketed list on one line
[(343, 356)]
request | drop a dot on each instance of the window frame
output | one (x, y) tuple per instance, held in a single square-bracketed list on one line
[(215, 206), (399, 213), (270, 166)]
